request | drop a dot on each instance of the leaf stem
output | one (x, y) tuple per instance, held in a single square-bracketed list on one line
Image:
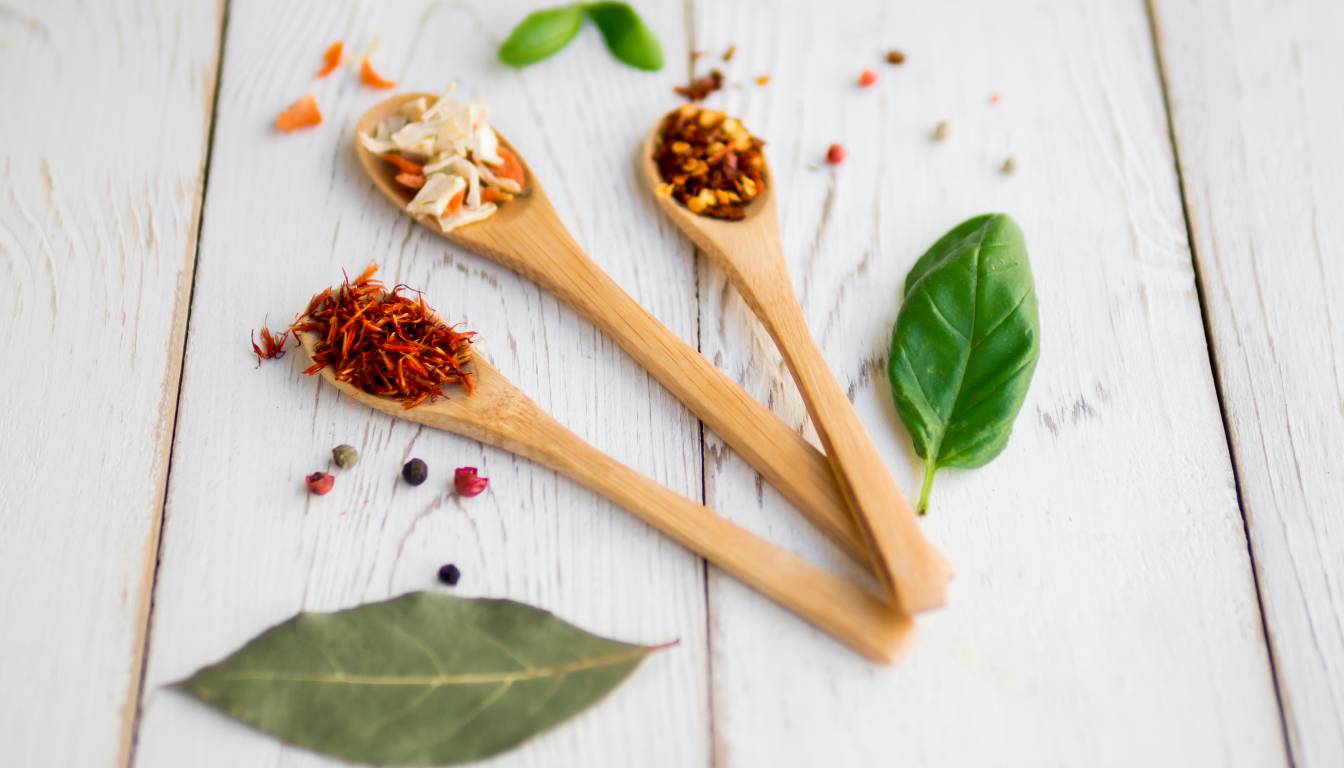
[(930, 469)]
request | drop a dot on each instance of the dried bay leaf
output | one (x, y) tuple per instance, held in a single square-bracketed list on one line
[(422, 679)]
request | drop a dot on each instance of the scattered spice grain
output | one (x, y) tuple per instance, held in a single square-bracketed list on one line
[(468, 483), (709, 162), (762, 79), (728, 54), (449, 574), (994, 99), (867, 77), (940, 131), (415, 471), (331, 59), (835, 154), (895, 57), (1009, 165), (319, 483), (272, 346), (701, 87), (384, 342), (345, 456)]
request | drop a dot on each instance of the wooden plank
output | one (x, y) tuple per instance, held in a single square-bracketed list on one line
[(1104, 611), (1255, 107), (105, 121), (244, 547)]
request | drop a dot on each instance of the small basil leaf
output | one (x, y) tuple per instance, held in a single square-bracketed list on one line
[(965, 345), (422, 679), (541, 34), (627, 37)]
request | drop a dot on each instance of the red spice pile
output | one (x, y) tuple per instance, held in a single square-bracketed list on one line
[(709, 162), (385, 343)]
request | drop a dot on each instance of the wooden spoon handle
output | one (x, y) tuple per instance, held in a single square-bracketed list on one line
[(783, 457), (841, 609)]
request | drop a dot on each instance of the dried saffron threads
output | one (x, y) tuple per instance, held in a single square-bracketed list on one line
[(385, 342), (272, 345), (709, 162)]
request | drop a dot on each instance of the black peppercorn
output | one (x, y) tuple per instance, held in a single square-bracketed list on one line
[(449, 574), (415, 471)]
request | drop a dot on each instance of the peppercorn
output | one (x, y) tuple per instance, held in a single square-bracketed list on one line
[(895, 57), (345, 456), (319, 483), (415, 471), (449, 574), (835, 155), (468, 483), (867, 77)]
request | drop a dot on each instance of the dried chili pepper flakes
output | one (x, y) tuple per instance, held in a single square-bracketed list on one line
[(701, 87), (867, 77), (728, 54), (468, 483), (709, 162), (835, 154), (272, 346), (895, 57), (762, 79), (385, 342)]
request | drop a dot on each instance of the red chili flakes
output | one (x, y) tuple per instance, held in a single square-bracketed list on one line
[(867, 77), (701, 87), (272, 346), (835, 154), (728, 54), (468, 483), (994, 99), (384, 342), (895, 57), (709, 162)]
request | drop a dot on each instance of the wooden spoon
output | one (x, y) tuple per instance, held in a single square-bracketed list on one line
[(499, 414), (527, 236), (749, 251)]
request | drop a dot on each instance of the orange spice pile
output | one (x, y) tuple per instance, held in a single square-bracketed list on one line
[(709, 162), (384, 342)]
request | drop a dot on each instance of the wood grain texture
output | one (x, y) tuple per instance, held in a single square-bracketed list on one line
[(1104, 611), (106, 111), (244, 546), (1254, 92)]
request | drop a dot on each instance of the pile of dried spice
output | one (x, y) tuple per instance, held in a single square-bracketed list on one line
[(384, 342), (709, 162)]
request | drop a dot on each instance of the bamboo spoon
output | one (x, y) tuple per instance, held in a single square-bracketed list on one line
[(499, 414), (527, 236), (749, 251)]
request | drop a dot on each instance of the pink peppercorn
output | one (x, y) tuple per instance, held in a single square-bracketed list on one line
[(835, 155), (867, 77), (319, 483), (468, 483)]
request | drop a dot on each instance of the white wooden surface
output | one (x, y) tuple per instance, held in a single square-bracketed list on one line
[(1104, 611), (1255, 103), (1112, 519), (102, 149)]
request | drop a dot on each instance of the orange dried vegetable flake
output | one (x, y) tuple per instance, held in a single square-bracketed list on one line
[(511, 168), (385, 342), (411, 180), (404, 165), (370, 77), (332, 58), (301, 114)]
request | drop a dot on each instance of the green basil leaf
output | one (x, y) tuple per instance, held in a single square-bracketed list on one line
[(423, 679), (965, 345), (627, 37), (541, 34)]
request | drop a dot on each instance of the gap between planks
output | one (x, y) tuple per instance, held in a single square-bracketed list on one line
[(1162, 79), (134, 702)]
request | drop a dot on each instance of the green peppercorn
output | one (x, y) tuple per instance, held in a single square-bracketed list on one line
[(345, 456), (415, 471)]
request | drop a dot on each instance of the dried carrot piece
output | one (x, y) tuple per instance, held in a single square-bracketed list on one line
[(301, 114), (412, 180), (511, 168), (332, 58), (492, 195), (454, 203), (404, 165), (371, 78)]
